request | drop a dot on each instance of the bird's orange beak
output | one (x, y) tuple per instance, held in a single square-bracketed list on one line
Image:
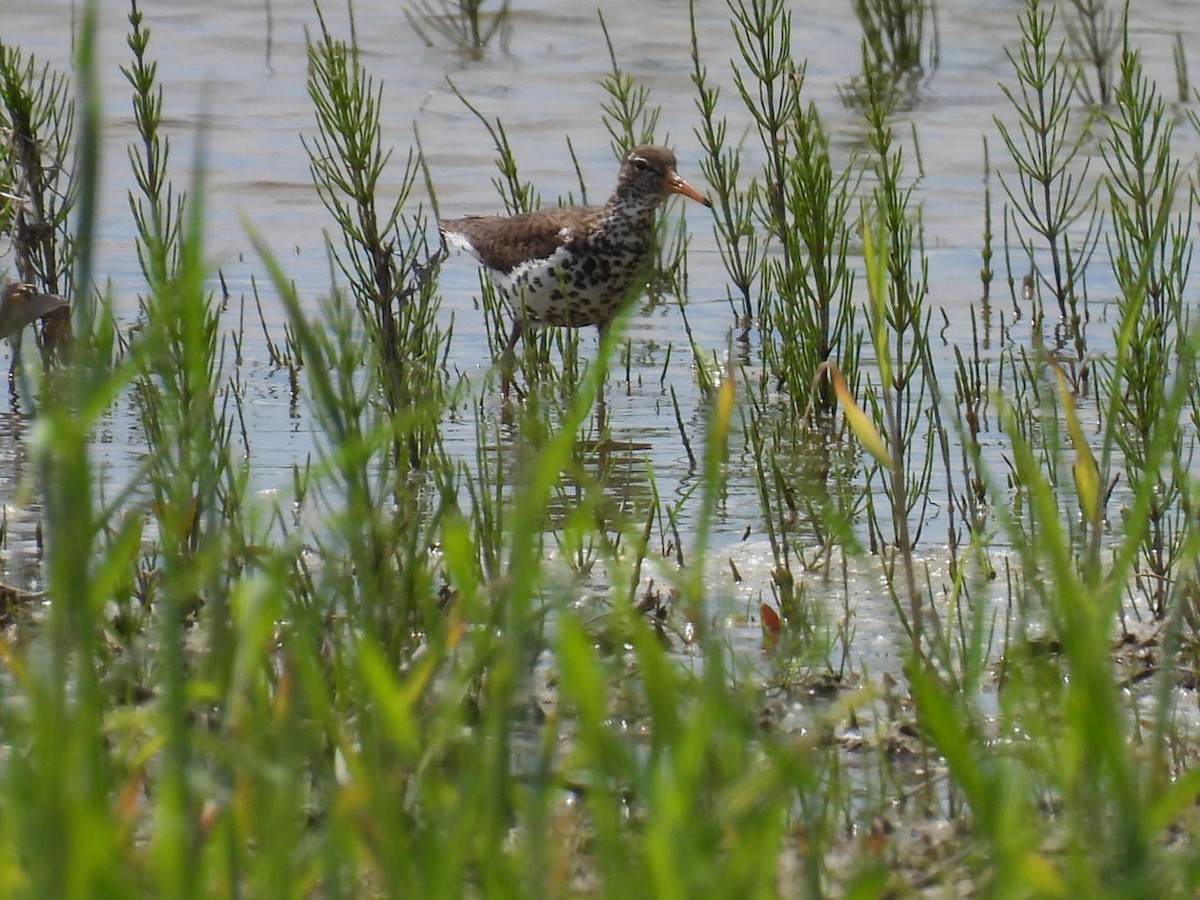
[(677, 185)]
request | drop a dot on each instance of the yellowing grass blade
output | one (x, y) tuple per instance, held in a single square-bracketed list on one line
[(860, 423), (724, 408), (875, 255), (1085, 470)]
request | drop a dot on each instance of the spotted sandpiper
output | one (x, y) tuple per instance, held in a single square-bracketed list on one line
[(574, 266)]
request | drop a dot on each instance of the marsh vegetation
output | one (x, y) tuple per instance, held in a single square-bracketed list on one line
[(516, 670)]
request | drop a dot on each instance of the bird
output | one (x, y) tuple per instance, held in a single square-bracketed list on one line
[(21, 305), (574, 266)]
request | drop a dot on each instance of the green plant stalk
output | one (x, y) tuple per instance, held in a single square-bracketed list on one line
[(768, 87), (737, 239), (1100, 781), (810, 308), (192, 449), (394, 296), (64, 783), (906, 370), (376, 574), (1150, 257), (1047, 193), (877, 242)]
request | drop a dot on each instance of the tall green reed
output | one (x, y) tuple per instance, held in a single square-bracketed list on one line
[(1082, 751), (800, 202), (183, 403)]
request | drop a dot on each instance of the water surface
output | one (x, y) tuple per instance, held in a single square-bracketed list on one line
[(234, 81)]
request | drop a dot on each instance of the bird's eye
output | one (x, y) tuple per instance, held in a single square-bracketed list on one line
[(641, 165)]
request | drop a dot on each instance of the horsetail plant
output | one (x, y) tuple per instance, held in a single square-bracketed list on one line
[(1051, 200), (385, 253), (1150, 253)]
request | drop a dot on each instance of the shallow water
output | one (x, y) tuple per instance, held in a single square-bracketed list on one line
[(233, 77)]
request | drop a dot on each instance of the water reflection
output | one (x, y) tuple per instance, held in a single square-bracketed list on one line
[(20, 508)]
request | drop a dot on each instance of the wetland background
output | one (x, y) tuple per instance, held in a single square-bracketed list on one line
[(878, 579)]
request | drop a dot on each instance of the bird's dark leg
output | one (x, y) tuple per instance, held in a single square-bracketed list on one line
[(601, 409), (14, 367), (508, 357)]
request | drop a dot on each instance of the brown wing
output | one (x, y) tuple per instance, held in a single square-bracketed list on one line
[(21, 304), (504, 242)]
